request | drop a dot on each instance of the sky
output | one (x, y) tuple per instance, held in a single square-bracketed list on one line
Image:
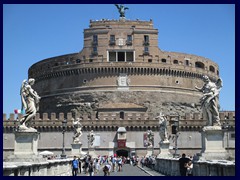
[(33, 32)]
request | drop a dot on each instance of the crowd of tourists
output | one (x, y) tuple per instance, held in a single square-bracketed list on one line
[(107, 164), (92, 166)]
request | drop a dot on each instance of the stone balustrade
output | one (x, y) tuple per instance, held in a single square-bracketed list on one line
[(56, 167), (170, 167)]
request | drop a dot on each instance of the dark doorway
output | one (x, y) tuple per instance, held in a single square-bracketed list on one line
[(122, 152), (121, 115)]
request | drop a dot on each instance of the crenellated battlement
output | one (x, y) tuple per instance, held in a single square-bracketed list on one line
[(114, 120), (229, 115)]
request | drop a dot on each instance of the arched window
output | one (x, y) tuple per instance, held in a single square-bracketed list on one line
[(175, 61), (199, 65), (212, 69), (164, 60)]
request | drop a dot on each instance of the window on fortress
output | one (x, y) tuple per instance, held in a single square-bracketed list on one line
[(95, 39), (129, 40), (146, 49), (149, 60), (121, 115), (164, 60), (146, 39), (212, 69), (175, 61), (112, 56), (121, 57), (187, 62), (95, 49), (112, 40), (129, 56), (78, 61), (199, 65)]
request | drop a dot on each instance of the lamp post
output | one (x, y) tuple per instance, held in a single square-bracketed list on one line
[(175, 131), (64, 123), (226, 128)]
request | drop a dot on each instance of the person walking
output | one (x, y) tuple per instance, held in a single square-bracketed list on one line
[(91, 168), (75, 164)]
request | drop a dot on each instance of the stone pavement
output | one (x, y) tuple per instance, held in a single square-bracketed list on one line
[(129, 170), (150, 171)]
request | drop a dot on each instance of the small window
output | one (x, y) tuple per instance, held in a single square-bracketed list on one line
[(146, 38), (199, 65), (90, 60), (112, 40), (84, 81), (212, 69), (129, 38), (112, 37), (121, 115), (149, 60), (175, 61), (78, 61), (177, 82), (187, 62), (164, 60), (95, 38), (146, 49), (95, 49)]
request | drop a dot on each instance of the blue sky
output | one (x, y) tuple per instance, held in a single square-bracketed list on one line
[(35, 32)]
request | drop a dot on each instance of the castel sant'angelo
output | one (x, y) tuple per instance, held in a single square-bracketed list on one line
[(121, 78)]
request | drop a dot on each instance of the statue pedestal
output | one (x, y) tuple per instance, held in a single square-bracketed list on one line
[(149, 151), (212, 143), (91, 152), (26, 143), (77, 149), (164, 149), (26, 147)]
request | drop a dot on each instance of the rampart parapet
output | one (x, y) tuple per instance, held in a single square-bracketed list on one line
[(114, 120)]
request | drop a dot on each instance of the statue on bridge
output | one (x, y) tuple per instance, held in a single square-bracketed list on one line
[(91, 138), (77, 131), (121, 10), (210, 100), (30, 102), (150, 136), (163, 127)]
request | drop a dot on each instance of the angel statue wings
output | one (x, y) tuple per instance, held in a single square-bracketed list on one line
[(121, 10), (210, 100)]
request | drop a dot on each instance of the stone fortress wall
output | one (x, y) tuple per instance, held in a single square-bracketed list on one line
[(106, 126)]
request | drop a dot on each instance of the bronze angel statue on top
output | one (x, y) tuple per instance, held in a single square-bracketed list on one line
[(121, 10)]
